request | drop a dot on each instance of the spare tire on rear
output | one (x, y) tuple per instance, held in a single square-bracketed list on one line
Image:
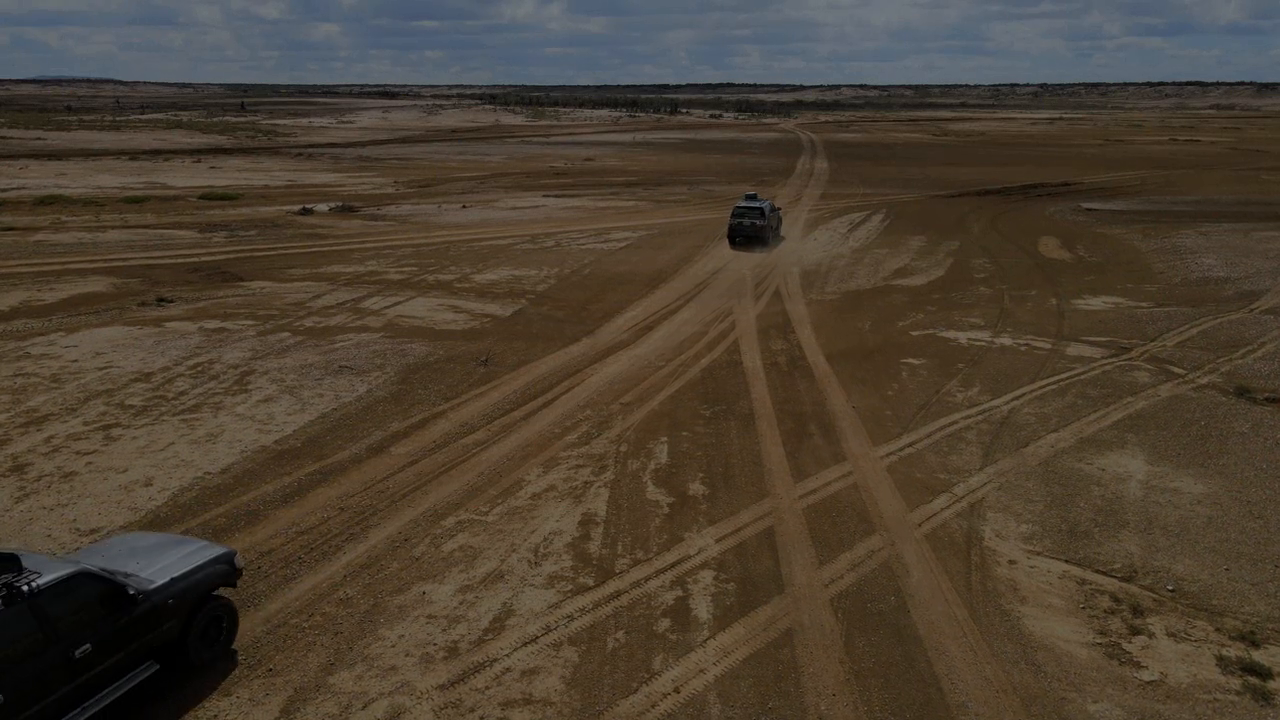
[(211, 631)]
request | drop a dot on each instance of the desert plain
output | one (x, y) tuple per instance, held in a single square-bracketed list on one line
[(504, 428)]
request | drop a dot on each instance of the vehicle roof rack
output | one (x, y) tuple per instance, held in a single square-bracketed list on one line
[(15, 579), (751, 196)]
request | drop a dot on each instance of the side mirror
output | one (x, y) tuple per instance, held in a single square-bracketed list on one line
[(134, 597)]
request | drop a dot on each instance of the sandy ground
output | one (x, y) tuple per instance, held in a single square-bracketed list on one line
[(992, 434)]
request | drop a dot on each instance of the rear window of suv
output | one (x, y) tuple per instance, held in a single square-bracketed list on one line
[(748, 213)]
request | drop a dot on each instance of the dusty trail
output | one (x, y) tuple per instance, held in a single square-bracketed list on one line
[(823, 668), (975, 683), (490, 659), (361, 243), (972, 489), (943, 427), (804, 186), (997, 327), (667, 690), (1044, 280), (586, 526), (442, 423), (663, 694), (460, 422), (453, 135), (542, 422), (413, 490)]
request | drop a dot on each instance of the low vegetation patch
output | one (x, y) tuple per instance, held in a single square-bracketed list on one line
[(53, 199), (1244, 665), (1247, 636), (1258, 692), (1244, 392), (135, 199), (220, 195)]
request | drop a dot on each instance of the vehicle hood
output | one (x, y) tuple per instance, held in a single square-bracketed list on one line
[(154, 557)]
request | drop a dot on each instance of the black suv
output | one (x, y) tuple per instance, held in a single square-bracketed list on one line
[(78, 632), (754, 220)]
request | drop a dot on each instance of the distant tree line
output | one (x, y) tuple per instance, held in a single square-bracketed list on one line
[(638, 104), (635, 104)]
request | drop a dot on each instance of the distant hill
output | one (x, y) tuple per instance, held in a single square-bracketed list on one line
[(70, 77)]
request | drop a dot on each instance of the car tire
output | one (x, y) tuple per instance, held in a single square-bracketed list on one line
[(211, 631)]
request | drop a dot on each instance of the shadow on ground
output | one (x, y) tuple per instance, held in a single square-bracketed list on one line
[(171, 692), (759, 247)]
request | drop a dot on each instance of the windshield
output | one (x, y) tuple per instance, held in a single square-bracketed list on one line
[(748, 213)]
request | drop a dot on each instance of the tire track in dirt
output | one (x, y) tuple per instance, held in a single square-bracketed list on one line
[(996, 328), (823, 667), (837, 477), (437, 425), (364, 546), (971, 490), (645, 579), (694, 672), (943, 427), (712, 299), (520, 645), (670, 387), (373, 242), (451, 135), (167, 394), (973, 681), (805, 186), (440, 424), (662, 694), (682, 290), (45, 324), (192, 395), (1059, 343), (413, 494), (493, 394), (839, 575), (664, 382), (500, 651), (801, 483), (1047, 185), (442, 475)]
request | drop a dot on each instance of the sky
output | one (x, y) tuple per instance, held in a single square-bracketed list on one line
[(642, 41)]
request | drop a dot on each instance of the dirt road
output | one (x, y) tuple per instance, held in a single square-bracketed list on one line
[(990, 434)]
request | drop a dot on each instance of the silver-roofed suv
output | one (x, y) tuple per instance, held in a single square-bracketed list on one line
[(754, 221), (76, 632)]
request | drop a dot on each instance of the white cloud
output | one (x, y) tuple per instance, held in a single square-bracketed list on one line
[(323, 32), (271, 10), (891, 41)]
